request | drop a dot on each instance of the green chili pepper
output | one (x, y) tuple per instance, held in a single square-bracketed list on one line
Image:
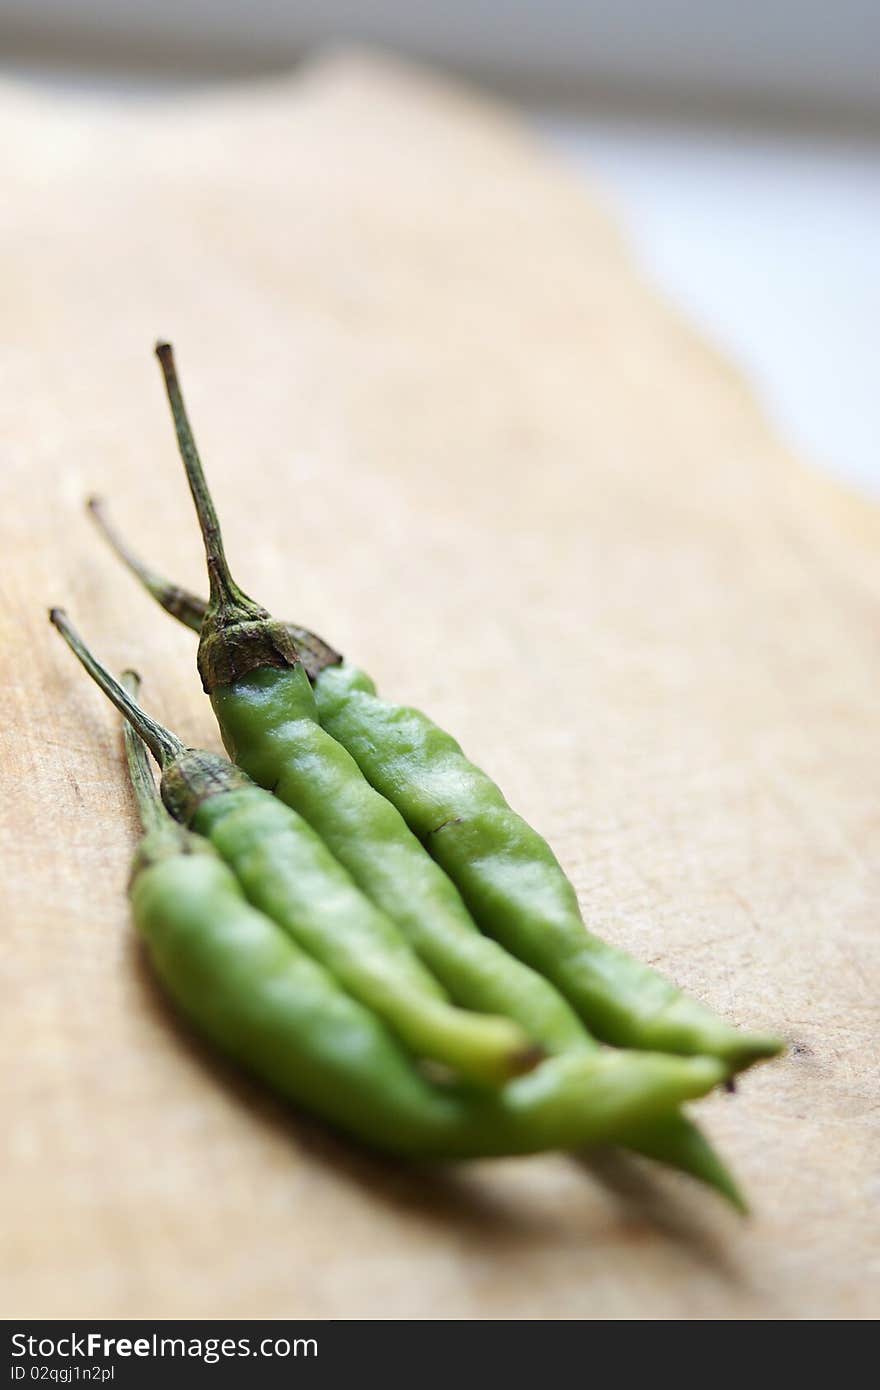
[(508, 876), (271, 1007)]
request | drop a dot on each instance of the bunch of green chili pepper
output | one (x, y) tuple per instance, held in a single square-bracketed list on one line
[(381, 852), (250, 958)]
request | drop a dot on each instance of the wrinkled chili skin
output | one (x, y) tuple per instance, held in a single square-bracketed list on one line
[(269, 725), (510, 879), (287, 872)]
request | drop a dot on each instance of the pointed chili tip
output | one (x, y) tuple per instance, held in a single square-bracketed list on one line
[(526, 1059)]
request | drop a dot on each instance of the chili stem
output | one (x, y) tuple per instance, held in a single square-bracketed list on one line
[(163, 745), (179, 602), (224, 590), (150, 809)]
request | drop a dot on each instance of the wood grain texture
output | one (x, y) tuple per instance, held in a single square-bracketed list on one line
[(449, 426)]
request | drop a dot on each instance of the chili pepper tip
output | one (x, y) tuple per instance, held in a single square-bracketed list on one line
[(526, 1059)]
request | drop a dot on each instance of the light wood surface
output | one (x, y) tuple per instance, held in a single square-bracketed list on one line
[(448, 425)]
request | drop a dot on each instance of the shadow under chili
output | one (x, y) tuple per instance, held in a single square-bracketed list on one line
[(456, 1196)]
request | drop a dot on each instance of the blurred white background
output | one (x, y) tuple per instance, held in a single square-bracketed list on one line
[(740, 144)]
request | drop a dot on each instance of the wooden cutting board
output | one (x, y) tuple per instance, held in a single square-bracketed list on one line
[(448, 425)]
